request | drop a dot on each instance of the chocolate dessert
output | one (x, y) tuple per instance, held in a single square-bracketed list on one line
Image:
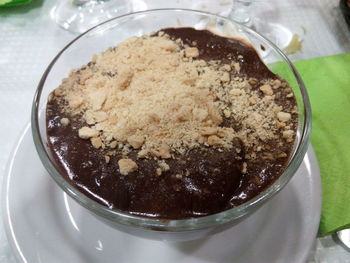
[(177, 124)]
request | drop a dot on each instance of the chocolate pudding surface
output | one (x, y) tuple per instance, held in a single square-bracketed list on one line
[(177, 124)]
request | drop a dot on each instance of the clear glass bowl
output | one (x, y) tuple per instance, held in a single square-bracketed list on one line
[(80, 51)]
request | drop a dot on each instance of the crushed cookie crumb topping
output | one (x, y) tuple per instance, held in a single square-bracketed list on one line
[(65, 121), (156, 95), (127, 166)]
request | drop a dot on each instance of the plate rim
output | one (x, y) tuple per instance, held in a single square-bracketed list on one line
[(18, 254), (12, 241)]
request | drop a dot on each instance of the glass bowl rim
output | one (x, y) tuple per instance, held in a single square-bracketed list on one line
[(174, 225)]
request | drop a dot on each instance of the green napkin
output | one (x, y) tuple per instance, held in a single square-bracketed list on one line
[(327, 80), (4, 3)]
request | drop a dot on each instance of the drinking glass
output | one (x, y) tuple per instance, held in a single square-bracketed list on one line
[(80, 15), (246, 12)]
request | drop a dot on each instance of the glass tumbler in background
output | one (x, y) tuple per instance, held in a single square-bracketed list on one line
[(77, 16), (240, 11), (249, 13)]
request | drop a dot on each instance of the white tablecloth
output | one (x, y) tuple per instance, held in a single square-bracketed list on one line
[(29, 39)]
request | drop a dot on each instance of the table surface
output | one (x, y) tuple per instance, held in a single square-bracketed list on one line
[(29, 39)]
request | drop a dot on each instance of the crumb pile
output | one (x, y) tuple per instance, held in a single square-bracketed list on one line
[(155, 95)]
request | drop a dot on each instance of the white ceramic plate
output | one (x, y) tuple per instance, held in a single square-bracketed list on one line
[(44, 225)]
